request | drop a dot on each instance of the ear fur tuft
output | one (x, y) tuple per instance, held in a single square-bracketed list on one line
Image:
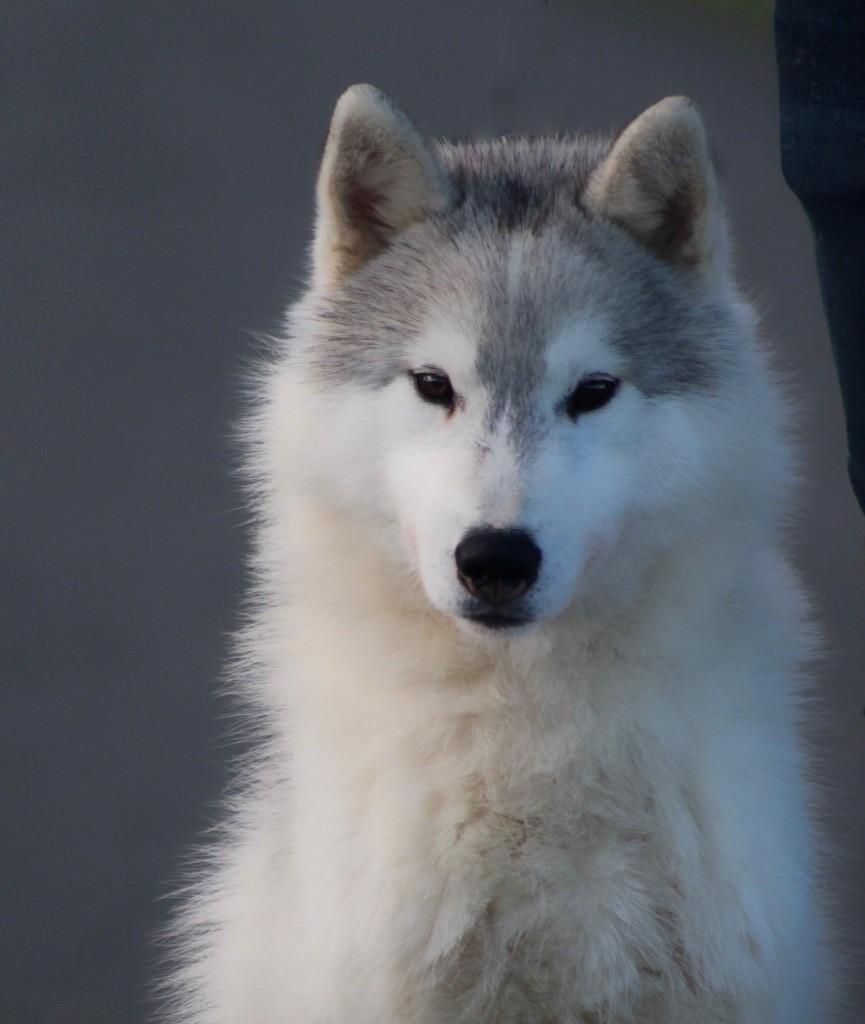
[(378, 176), (658, 183)]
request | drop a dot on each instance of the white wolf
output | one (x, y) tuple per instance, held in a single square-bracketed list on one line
[(525, 648)]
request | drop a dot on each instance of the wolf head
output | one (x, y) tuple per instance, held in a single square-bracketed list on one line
[(521, 368)]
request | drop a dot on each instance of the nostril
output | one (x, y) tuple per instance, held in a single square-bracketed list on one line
[(497, 565)]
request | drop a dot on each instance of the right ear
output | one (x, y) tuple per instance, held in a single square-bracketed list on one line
[(378, 176)]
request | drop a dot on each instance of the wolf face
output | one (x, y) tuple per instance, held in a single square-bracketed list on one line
[(516, 351)]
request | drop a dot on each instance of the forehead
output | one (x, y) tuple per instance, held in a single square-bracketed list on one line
[(507, 312), (512, 303)]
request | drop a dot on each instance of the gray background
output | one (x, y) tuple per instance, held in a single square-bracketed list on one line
[(158, 168)]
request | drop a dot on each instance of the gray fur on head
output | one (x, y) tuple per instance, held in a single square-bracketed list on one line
[(408, 229)]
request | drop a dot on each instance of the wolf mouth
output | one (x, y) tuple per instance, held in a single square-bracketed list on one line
[(498, 620)]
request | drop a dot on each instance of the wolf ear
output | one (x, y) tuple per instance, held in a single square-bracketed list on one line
[(377, 177), (658, 183)]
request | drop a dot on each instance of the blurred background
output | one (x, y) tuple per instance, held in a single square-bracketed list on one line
[(158, 170)]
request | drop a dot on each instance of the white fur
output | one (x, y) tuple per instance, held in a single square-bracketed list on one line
[(600, 818)]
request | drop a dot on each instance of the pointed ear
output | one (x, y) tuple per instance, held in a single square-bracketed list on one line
[(658, 183), (377, 177)]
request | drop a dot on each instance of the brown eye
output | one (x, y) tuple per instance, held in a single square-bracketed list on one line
[(433, 387), (590, 394)]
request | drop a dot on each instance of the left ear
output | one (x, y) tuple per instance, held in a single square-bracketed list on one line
[(658, 183)]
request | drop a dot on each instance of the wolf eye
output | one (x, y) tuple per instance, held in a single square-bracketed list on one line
[(433, 387), (590, 394)]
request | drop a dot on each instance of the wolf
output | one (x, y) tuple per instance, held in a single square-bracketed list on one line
[(526, 658)]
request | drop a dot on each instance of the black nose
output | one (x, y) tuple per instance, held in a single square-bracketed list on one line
[(497, 565)]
